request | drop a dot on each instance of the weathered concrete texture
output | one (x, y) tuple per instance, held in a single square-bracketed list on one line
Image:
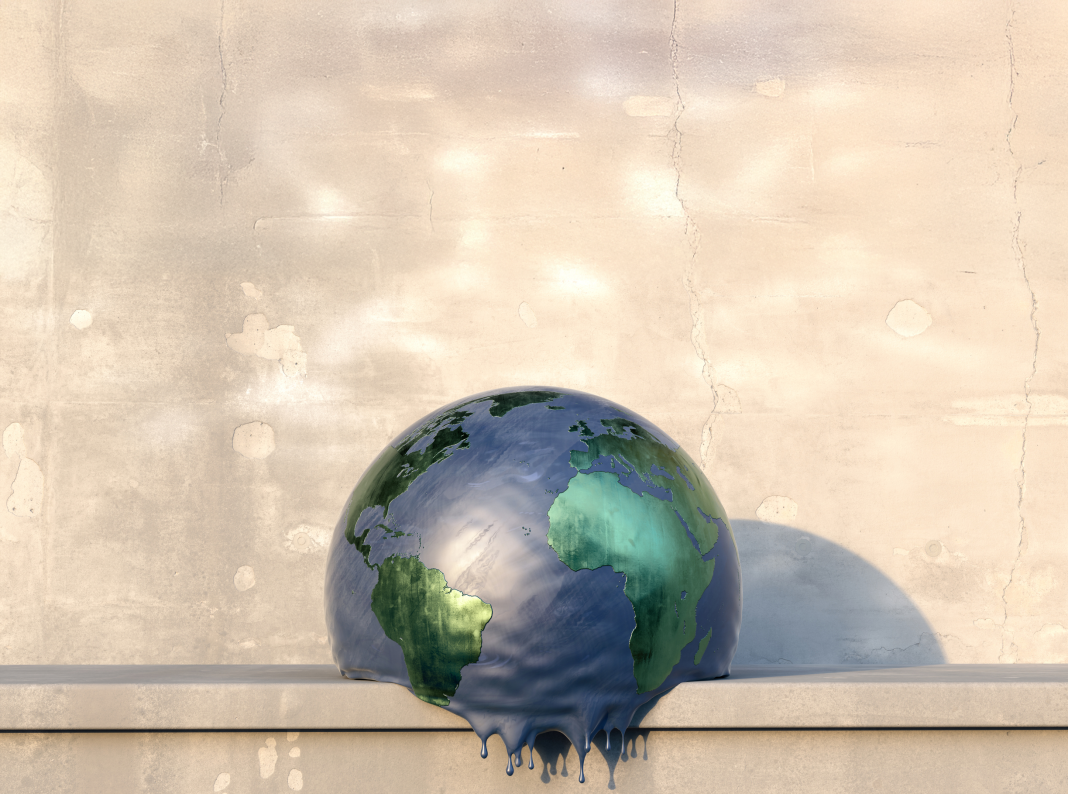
[(821, 245), (656, 761)]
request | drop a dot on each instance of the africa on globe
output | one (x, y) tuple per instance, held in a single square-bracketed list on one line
[(534, 559)]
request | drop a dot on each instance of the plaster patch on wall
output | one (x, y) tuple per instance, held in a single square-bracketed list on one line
[(1051, 631), (775, 87), (14, 443), (526, 314), (292, 736), (306, 538), (984, 623), (222, 781), (777, 510), (902, 552), (294, 753), (727, 401), (296, 779), (649, 106), (908, 318), (268, 758), (250, 290), (27, 491), (254, 440), (280, 344), (24, 225), (81, 319), (244, 578)]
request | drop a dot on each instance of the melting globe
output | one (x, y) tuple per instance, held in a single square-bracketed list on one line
[(534, 560)]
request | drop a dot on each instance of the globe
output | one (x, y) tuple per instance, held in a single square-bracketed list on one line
[(534, 559)]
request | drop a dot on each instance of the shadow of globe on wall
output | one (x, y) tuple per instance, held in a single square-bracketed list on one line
[(810, 601)]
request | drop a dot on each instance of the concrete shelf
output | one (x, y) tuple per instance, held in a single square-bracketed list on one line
[(315, 697), (796, 728)]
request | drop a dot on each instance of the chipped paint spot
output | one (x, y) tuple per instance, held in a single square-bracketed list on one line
[(81, 319), (292, 736), (1051, 631), (14, 443), (775, 87), (268, 758), (250, 290), (244, 578), (27, 491), (727, 401), (296, 779), (526, 314), (908, 318), (984, 623), (777, 509), (294, 753), (222, 781), (306, 538), (254, 440), (649, 106), (280, 344), (902, 552)]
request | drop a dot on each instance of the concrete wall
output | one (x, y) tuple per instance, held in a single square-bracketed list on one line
[(242, 245)]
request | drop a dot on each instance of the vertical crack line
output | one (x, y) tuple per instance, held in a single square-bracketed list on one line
[(430, 202), (692, 232), (224, 166), (1008, 654)]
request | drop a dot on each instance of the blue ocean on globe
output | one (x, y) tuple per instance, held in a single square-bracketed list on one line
[(535, 560)]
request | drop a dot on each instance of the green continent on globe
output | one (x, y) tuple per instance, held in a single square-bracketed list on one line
[(438, 628), (657, 544)]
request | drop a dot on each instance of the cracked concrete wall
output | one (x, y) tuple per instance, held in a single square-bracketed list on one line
[(242, 245)]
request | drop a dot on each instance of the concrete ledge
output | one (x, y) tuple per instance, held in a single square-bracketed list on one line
[(315, 697)]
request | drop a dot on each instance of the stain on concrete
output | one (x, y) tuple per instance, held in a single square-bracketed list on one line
[(908, 318), (27, 489), (775, 87), (14, 443), (727, 401), (268, 758), (222, 781), (777, 509), (307, 538), (296, 779), (526, 314), (250, 290), (280, 344), (254, 440), (649, 106), (81, 319), (244, 579)]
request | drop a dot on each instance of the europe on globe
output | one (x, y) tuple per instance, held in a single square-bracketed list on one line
[(534, 559)]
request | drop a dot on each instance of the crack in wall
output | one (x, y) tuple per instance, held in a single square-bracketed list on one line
[(1008, 654), (430, 203), (224, 166), (692, 233)]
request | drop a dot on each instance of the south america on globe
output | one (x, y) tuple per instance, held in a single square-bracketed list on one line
[(534, 559)]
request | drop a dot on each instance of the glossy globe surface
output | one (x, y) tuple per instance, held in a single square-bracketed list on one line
[(534, 559)]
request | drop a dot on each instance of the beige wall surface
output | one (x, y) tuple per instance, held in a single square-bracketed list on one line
[(242, 245)]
